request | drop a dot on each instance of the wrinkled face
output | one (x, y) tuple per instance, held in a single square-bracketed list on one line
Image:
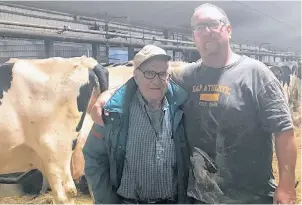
[(211, 33), (152, 79)]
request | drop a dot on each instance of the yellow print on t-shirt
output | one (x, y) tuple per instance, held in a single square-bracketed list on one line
[(209, 94), (212, 88)]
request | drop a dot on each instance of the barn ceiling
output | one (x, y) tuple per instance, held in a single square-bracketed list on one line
[(253, 22)]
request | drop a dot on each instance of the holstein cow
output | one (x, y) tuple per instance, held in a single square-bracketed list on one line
[(288, 75), (288, 69), (43, 104), (277, 72), (118, 75)]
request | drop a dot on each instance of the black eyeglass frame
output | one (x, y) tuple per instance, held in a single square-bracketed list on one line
[(168, 75)]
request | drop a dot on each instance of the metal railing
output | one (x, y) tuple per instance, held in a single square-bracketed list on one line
[(106, 33), (107, 37)]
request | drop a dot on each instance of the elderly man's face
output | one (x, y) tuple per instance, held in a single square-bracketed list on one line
[(210, 32), (153, 87)]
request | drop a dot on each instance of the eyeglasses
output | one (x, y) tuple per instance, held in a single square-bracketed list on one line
[(210, 25), (151, 74)]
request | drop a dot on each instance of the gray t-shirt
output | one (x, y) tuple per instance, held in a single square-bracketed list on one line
[(231, 114)]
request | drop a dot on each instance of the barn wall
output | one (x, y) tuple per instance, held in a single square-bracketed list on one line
[(132, 35), (11, 48)]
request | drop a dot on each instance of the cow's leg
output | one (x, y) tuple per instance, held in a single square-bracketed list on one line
[(45, 185), (54, 176), (69, 185), (56, 156)]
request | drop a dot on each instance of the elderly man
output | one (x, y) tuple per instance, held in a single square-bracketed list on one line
[(140, 155), (234, 107)]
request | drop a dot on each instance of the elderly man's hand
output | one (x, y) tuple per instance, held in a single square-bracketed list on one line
[(97, 108)]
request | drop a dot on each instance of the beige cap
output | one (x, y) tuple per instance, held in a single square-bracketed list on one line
[(148, 52)]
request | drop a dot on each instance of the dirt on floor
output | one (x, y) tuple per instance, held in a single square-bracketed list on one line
[(42, 199)]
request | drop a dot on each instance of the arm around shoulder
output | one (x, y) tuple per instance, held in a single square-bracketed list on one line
[(97, 108)]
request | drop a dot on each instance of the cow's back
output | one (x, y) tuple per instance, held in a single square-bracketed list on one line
[(41, 96), (39, 99), (42, 107)]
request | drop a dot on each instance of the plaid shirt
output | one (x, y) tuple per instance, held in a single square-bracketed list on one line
[(150, 162)]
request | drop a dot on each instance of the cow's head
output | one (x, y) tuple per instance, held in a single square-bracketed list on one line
[(277, 71)]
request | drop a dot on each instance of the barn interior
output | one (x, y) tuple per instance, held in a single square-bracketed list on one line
[(113, 32), (257, 27)]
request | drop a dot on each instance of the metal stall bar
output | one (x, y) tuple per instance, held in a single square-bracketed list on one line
[(66, 28), (17, 33), (85, 18), (81, 19)]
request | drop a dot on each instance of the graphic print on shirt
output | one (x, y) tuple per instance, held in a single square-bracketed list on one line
[(213, 99), (210, 94)]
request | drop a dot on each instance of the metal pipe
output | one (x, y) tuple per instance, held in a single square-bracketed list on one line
[(92, 32), (85, 20), (30, 25), (128, 29), (8, 32), (42, 17), (35, 9), (76, 39), (84, 39)]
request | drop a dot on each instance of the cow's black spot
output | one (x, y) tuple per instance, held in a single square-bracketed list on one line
[(6, 77), (99, 76), (84, 97)]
